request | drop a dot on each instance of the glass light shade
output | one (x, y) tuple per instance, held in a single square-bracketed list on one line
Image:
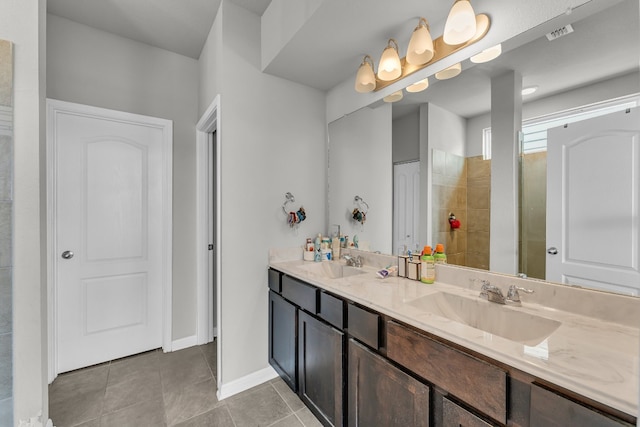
[(418, 86), (365, 78), (420, 50), (461, 23), (487, 54), (395, 96), (450, 72), (389, 67)]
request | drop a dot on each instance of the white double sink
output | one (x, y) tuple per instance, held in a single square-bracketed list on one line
[(505, 321)]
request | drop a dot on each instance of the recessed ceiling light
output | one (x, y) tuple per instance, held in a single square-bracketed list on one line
[(529, 90)]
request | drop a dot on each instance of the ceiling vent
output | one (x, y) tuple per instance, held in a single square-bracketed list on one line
[(560, 32)]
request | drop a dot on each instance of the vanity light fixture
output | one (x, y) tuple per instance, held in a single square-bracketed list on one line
[(450, 72), (529, 90), (389, 67), (418, 86), (420, 50), (366, 78), (461, 23), (487, 55), (394, 97), (423, 50)]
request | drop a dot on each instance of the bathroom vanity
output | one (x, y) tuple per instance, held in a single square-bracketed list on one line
[(363, 351)]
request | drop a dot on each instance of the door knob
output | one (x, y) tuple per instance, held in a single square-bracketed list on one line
[(67, 255), (552, 251)]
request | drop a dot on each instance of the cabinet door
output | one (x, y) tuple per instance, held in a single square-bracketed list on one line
[(379, 394), (320, 355), (549, 409), (454, 415), (282, 338)]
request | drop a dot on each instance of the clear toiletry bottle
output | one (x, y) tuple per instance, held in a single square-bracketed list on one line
[(317, 255), (427, 266)]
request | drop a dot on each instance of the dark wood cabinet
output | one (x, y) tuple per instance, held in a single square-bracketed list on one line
[(283, 325), (352, 365), (381, 395), (481, 384), (320, 357), (549, 409), (455, 415)]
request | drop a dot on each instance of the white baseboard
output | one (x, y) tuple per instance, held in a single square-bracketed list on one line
[(246, 382), (185, 342)]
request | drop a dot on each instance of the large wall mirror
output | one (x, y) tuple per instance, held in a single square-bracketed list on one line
[(383, 152)]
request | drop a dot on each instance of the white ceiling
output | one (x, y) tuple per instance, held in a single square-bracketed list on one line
[(328, 49), (178, 26)]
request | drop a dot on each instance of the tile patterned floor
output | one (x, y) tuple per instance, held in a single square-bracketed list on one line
[(168, 389)]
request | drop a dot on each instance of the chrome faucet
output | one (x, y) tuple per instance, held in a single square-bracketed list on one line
[(491, 292), (494, 294), (353, 262), (513, 295)]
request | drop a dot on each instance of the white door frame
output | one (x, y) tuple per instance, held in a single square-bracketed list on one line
[(54, 107), (208, 123)]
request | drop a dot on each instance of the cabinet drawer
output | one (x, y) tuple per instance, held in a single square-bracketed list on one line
[(363, 325), (482, 385), (454, 415), (332, 310), (549, 409), (275, 281), (300, 293)]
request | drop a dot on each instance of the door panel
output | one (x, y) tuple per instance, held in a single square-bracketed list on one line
[(406, 204), (593, 190), (110, 187)]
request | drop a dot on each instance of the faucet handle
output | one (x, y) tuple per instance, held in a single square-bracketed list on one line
[(514, 293)]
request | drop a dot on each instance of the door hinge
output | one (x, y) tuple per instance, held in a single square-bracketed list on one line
[(210, 247)]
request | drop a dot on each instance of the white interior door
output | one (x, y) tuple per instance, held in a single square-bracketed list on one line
[(406, 205), (593, 198), (110, 232)]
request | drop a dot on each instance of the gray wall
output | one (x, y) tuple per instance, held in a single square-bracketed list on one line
[(24, 24), (92, 67), (406, 138), (273, 140)]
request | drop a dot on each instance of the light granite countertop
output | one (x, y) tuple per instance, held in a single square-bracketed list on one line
[(595, 355)]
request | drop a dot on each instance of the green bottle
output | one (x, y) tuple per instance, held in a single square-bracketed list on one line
[(439, 256), (427, 266)]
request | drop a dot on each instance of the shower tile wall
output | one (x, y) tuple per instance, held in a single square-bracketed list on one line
[(449, 176), (478, 211), (533, 225), (6, 231)]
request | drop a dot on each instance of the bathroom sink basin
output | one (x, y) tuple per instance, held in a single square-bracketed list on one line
[(506, 322), (331, 270)]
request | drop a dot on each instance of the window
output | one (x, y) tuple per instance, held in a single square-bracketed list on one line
[(535, 130)]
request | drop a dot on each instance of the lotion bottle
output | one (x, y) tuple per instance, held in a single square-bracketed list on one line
[(427, 266)]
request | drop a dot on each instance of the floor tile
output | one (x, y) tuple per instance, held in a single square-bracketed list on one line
[(138, 388), (80, 381), (259, 406), (290, 421), (217, 417), (210, 352), (145, 414), (190, 401), (287, 394), (77, 408), (140, 365), (307, 418), (179, 372), (91, 423)]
